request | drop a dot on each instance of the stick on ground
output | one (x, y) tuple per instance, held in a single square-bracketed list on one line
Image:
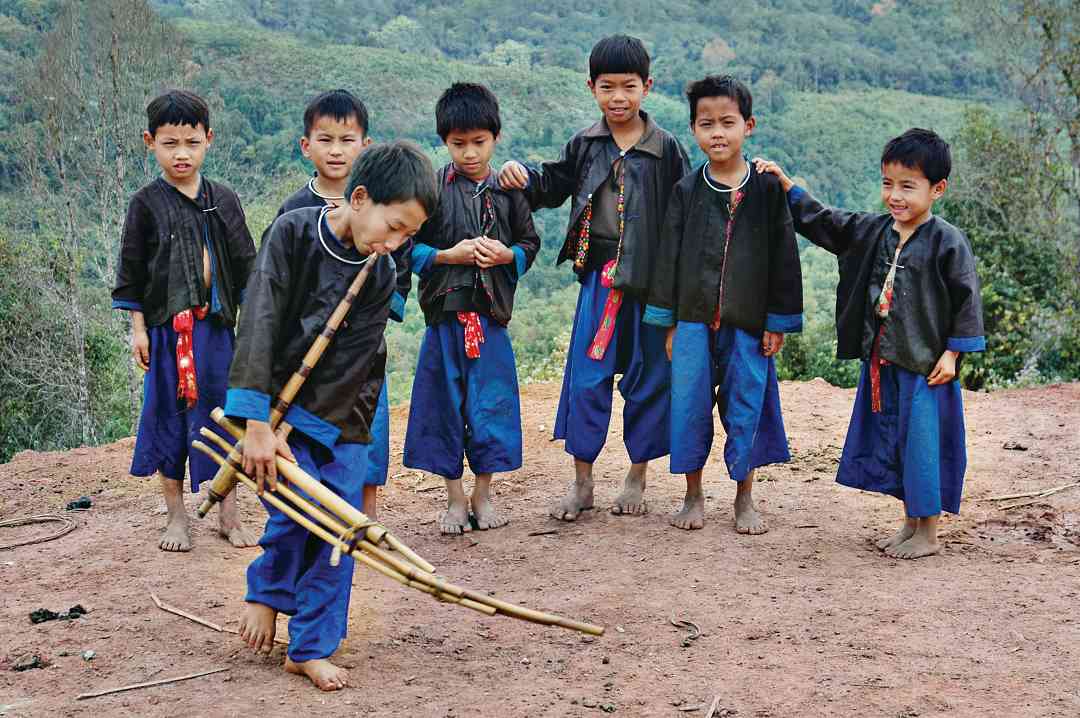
[(148, 684), (202, 621)]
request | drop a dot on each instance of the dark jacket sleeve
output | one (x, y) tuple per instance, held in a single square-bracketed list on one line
[(835, 230), (525, 242), (251, 374), (139, 227), (966, 333), (662, 308), (784, 305), (553, 182), (241, 249)]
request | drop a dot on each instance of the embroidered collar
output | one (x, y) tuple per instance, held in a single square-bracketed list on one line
[(489, 182), (651, 141)]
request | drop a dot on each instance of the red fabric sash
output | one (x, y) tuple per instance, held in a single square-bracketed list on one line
[(603, 336), (884, 305), (184, 324), (474, 333)]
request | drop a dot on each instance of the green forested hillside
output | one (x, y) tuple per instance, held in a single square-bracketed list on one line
[(832, 81)]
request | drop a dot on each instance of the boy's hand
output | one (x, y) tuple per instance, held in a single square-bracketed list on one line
[(668, 341), (491, 253), (261, 446), (770, 167), (771, 342), (513, 175), (140, 348), (944, 370), (464, 252)]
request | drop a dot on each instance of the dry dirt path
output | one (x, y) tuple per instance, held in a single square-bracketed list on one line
[(806, 620)]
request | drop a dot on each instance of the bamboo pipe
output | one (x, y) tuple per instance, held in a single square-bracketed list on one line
[(225, 480), (339, 529), (330, 501), (329, 538), (436, 585)]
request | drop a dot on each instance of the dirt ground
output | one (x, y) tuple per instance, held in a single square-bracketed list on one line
[(806, 620)]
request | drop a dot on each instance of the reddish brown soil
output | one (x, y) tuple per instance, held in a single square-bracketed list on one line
[(806, 620)]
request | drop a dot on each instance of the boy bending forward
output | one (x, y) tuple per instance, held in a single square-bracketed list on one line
[(307, 260)]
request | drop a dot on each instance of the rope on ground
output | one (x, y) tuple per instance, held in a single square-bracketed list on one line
[(68, 527)]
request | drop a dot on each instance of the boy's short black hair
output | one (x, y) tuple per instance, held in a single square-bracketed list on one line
[(720, 86), (177, 107), (395, 172), (920, 149), (617, 55), (339, 104), (467, 106)]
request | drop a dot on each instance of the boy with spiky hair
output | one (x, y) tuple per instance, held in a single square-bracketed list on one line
[(727, 287), (908, 305), (185, 255), (618, 174), (335, 133), (469, 258), (307, 260)]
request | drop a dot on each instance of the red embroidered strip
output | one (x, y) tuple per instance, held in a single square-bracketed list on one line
[(474, 333), (184, 324), (606, 331)]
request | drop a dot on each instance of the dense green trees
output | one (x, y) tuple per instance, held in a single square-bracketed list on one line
[(832, 82)]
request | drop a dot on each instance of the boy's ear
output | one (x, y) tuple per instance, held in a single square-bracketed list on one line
[(646, 87), (358, 196), (938, 190), (367, 141), (209, 136), (305, 147), (750, 125), (148, 139), (589, 84)]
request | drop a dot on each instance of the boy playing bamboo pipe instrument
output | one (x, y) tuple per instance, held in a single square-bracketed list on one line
[(185, 255), (307, 260)]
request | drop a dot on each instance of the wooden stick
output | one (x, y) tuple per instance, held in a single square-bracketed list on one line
[(1036, 494), (148, 684), (225, 479), (712, 709), (202, 621)]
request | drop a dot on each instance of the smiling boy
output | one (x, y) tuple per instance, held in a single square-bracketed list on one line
[(185, 256), (908, 305), (335, 133), (619, 174), (727, 286), (469, 258)]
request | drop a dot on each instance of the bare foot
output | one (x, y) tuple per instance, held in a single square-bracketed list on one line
[(485, 514), (747, 518), (455, 520), (578, 498), (906, 531), (915, 547), (258, 626), (324, 674), (692, 515), (238, 536), (631, 502), (177, 536)]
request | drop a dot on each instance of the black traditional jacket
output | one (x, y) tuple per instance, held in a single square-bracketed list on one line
[(653, 166), (295, 286), (160, 271), (756, 275), (460, 216), (936, 301), (307, 197)]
